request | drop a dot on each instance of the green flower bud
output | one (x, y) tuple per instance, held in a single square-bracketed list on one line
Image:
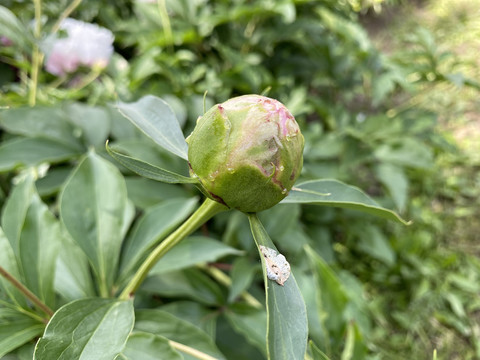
[(247, 152)]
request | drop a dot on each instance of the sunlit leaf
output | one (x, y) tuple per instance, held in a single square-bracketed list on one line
[(157, 120), (87, 329), (337, 194), (147, 170)]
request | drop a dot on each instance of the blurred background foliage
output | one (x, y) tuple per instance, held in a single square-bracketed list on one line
[(386, 93)]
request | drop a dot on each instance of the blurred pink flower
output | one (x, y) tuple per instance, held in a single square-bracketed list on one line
[(85, 44), (5, 41)]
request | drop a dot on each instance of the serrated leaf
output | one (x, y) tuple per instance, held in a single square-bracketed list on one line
[(147, 170), (92, 207), (157, 222), (286, 313), (87, 329), (191, 251), (157, 120), (146, 346), (338, 194)]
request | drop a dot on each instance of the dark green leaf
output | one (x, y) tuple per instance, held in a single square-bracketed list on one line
[(287, 318), (16, 331), (242, 274), (332, 296), (156, 119), (373, 242), (252, 325), (51, 183), (148, 170), (41, 122), (9, 263), (146, 193), (73, 279), (317, 354), (190, 283), (157, 222), (337, 194), (164, 324), (88, 329), (14, 30), (355, 348), (94, 122), (25, 152), (394, 179), (406, 152), (191, 251), (146, 346), (34, 235), (92, 207)]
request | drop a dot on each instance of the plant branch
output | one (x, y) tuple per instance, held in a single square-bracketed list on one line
[(37, 56), (70, 8), (190, 351), (224, 279), (25, 291), (167, 28), (206, 211)]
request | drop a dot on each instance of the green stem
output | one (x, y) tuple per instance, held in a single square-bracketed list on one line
[(21, 310), (28, 294), (167, 28), (190, 351), (206, 211), (37, 57), (73, 5), (224, 279)]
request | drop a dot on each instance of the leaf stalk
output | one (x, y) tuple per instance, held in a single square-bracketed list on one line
[(206, 211)]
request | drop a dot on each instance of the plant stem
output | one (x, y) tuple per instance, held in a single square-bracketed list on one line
[(28, 294), (190, 351), (37, 57), (223, 278), (167, 28), (206, 211), (73, 5)]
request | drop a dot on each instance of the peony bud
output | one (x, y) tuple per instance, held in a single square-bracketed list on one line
[(247, 152)]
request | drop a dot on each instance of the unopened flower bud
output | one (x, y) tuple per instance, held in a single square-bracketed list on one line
[(247, 152)]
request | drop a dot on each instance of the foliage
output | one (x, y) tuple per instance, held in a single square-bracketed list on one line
[(78, 222)]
